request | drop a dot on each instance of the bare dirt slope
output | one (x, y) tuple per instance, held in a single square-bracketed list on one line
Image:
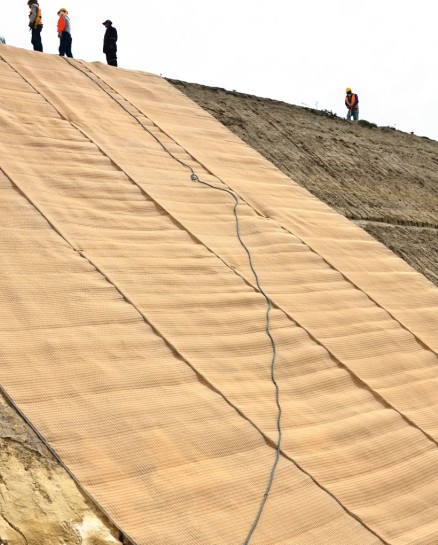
[(385, 180)]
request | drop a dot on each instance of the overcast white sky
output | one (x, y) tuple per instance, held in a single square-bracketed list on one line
[(303, 53)]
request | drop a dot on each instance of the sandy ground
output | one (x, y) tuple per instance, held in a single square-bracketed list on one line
[(382, 179), (40, 503), (385, 180)]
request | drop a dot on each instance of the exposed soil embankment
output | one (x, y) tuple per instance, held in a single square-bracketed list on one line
[(385, 180), (40, 503)]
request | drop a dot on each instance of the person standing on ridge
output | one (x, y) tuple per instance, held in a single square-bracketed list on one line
[(64, 33), (2, 40), (35, 24), (110, 43), (352, 103)]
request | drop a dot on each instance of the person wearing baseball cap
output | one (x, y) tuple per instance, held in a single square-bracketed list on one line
[(110, 43)]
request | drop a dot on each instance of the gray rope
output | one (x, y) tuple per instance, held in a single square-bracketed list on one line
[(274, 355), (195, 178)]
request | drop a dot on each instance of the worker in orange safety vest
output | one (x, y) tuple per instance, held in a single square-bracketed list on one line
[(352, 103), (64, 33)]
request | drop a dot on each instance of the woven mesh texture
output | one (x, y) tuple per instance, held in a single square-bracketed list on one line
[(133, 335)]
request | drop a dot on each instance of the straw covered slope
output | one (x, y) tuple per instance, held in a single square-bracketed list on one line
[(134, 333)]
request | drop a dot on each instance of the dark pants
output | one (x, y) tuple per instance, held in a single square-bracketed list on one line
[(111, 58), (65, 45), (36, 38)]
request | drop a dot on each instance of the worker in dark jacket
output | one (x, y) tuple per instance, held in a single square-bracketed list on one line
[(110, 43), (35, 24), (352, 103)]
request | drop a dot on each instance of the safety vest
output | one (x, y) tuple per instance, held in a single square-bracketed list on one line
[(64, 24), (351, 101), (39, 18)]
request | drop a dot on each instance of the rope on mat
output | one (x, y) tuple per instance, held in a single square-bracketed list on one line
[(194, 177)]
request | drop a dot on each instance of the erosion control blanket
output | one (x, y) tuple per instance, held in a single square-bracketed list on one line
[(133, 330)]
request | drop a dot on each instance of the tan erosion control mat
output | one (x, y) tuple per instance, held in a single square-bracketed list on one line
[(133, 335)]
